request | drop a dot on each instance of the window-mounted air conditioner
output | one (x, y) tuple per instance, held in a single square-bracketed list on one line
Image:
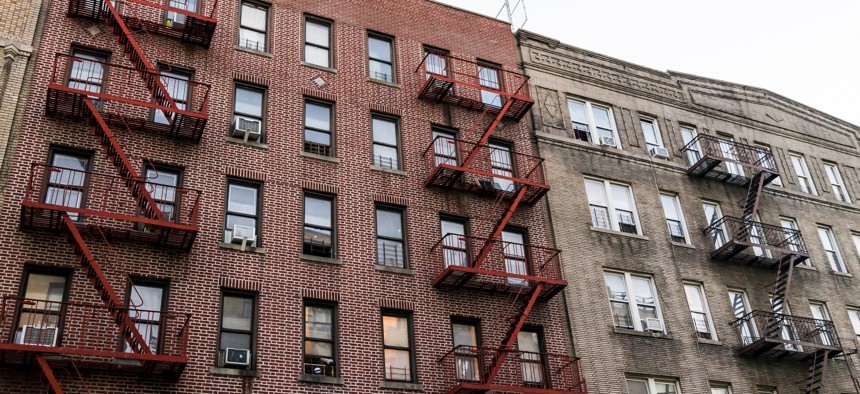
[(246, 128), (659, 152), (608, 141), (243, 235), (652, 324), (238, 357), (38, 335)]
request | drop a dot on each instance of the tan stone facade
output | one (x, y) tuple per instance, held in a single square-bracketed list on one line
[(564, 78)]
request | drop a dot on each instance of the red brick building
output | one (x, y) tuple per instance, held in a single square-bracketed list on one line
[(254, 197)]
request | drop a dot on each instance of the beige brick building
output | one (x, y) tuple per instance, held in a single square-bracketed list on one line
[(648, 170)]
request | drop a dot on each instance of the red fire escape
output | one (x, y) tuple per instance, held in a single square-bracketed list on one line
[(116, 102), (527, 274), (775, 333)]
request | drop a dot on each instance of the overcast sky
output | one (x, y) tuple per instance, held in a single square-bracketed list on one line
[(808, 51)]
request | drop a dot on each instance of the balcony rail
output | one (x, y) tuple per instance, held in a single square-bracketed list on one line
[(705, 146), (506, 258), (83, 193), (491, 168), (796, 332), (468, 367), (731, 229), (88, 329)]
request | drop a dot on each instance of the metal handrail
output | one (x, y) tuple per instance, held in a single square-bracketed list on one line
[(522, 166), (739, 229), (456, 72), (733, 151), (759, 324), (536, 260)]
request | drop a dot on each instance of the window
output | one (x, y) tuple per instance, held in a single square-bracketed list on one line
[(320, 348), (651, 386), (611, 206), (787, 330), (161, 183), (514, 252), (38, 321), (532, 363), (593, 123), (488, 77), (466, 337), (175, 81), (318, 235), (502, 163), (729, 151), (147, 300), (454, 245), (803, 178), (828, 241), (792, 235), (318, 41), (856, 238), (87, 72), (674, 218), (435, 61), (397, 346), (238, 324), (318, 128), (390, 245), (67, 186), (822, 323), (713, 214), (444, 147), (699, 311), (836, 182), (386, 141), (765, 390), (243, 210), (721, 388), (693, 150), (756, 237), (854, 316), (652, 133), (740, 308), (248, 105), (637, 312), (175, 19), (254, 26), (380, 54), (766, 159)]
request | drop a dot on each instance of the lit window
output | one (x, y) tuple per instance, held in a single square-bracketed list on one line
[(674, 218), (241, 223), (692, 149), (633, 301), (390, 245), (319, 231), (380, 54), (318, 42), (652, 133), (593, 123), (611, 206), (828, 241), (40, 315), (836, 182), (802, 171), (651, 386), (386, 141), (254, 26), (318, 128), (237, 329), (397, 346), (320, 347), (699, 311), (248, 109)]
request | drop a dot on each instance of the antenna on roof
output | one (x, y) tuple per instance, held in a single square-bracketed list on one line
[(510, 11)]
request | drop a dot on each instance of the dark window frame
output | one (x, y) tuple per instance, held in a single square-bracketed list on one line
[(393, 63), (165, 295), (334, 331), (393, 119), (449, 133), (180, 178), (500, 80), (466, 250), (443, 53), (255, 298), (479, 340), (68, 273), (526, 257), (69, 151), (405, 249), (264, 91), (184, 71), (95, 52), (333, 229), (332, 150), (542, 360), (411, 349), (330, 49), (266, 33), (259, 215)]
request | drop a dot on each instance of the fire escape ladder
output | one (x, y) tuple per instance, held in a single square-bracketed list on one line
[(754, 192), (106, 293), (516, 324), (53, 384), (815, 382), (142, 198), (500, 226), (782, 284), (138, 59)]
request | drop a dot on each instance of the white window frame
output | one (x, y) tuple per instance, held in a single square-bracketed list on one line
[(717, 241), (856, 238), (700, 290), (610, 206), (720, 388), (751, 327), (632, 305), (766, 390), (827, 339), (836, 182), (727, 148), (761, 155), (791, 223), (592, 125), (839, 264), (657, 136), (683, 223), (688, 134), (798, 163), (854, 316), (652, 383)]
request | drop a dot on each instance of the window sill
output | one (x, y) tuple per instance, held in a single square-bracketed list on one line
[(319, 157), (388, 170), (323, 68), (845, 274), (683, 245), (253, 51), (318, 259), (710, 342), (249, 143), (381, 82), (234, 372), (401, 386), (238, 247), (402, 271), (320, 379), (627, 331), (806, 267), (621, 233)]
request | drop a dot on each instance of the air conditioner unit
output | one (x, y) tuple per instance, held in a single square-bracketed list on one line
[(247, 128), (659, 152), (652, 324), (237, 357), (243, 235), (38, 335), (608, 141)]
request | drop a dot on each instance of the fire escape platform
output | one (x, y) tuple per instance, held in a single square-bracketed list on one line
[(154, 17), (454, 277), (755, 243), (728, 161), (765, 333)]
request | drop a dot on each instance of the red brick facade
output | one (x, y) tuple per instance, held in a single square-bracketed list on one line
[(275, 271)]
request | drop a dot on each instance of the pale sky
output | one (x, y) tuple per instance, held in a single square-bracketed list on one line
[(808, 51)]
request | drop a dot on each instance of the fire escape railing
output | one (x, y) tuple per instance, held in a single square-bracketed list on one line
[(465, 367), (728, 161), (732, 236), (801, 334)]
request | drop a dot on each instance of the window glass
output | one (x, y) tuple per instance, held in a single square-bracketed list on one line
[(319, 345), (252, 26), (380, 61), (317, 238), (385, 144), (397, 348), (317, 43), (389, 238), (237, 325)]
